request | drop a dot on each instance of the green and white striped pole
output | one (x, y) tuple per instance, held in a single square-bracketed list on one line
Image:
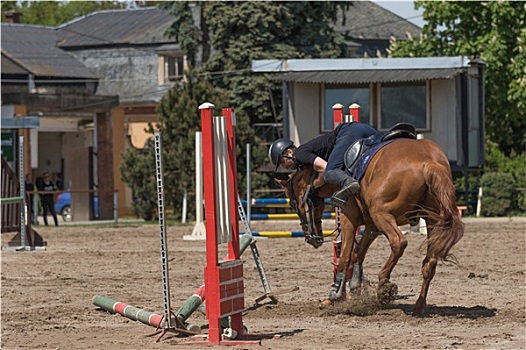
[(131, 312), (196, 300)]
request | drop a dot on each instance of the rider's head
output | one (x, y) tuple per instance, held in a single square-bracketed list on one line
[(282, 152)]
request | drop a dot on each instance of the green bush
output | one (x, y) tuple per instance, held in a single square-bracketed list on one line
[(515, 166), (138, 172), (497, 194)]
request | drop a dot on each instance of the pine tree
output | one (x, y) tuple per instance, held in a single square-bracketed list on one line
[(179, 120), (232, 34)]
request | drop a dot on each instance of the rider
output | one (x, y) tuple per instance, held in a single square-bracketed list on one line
[(324, 153)]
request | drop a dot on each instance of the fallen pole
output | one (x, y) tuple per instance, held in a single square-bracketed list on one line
[(191, 304), (136, 314), (131, 312), (198, 298)]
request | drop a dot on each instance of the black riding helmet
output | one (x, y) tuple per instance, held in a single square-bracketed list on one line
[(275, 152)]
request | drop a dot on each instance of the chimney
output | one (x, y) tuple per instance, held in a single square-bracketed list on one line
[(12, 17)]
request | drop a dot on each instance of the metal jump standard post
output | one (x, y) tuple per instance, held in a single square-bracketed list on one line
[(168, 323), (339, 118)]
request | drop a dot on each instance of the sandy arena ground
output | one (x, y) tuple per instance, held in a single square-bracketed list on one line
[(47, 295)]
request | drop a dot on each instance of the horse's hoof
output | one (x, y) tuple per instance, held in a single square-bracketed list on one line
[(382, 282), (386, 292), (355, 285), (333, 295), (419, 307), (356, 290), (326, 302), (338, 287)]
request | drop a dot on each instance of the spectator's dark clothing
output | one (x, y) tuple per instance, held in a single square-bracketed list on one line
[(48, 203), (30, 188)]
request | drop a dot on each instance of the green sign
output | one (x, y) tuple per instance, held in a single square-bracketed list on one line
[(8, 146)]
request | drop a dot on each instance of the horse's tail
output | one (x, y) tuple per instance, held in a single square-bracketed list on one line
[(447, 227)]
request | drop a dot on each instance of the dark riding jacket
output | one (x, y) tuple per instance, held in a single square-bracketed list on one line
[(331, 146)]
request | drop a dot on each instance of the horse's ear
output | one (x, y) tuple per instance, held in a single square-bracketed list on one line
[(280, 182)]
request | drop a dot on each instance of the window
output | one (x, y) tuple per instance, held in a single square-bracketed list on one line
[(171, 63), (346, 96), (173, 67), (403, 103)]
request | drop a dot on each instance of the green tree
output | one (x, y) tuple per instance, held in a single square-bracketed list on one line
[(251, 30), (237, 32), (494, 31), (7, 6), (184, 30), (138, 171), (179, 119), (242, 31)]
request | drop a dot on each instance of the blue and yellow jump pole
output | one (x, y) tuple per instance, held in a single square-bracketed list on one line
[(281, 234), (272, 202), (290, 216)]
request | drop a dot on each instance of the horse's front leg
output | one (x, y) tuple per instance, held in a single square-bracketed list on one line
[(349, 226), (337, 291), (360, 251)]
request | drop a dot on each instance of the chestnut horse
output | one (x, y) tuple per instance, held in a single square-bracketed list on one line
[(405, 180)]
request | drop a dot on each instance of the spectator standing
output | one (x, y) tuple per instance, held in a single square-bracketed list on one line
[(47, 199)]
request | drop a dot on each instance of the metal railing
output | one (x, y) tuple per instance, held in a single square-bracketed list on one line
[(268, 132)]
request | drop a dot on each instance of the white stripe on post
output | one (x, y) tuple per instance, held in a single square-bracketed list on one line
[(223, 219)]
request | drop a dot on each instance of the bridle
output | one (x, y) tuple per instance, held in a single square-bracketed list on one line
[(309, 200)]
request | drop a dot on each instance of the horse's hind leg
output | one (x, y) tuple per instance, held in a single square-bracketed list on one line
[(429, 265), (386, 223)]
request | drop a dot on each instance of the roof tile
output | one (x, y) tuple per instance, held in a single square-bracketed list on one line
[(114, 27), (33, 48)]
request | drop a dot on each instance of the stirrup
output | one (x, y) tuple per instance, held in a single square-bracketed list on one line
[(337, 202), (353, 188), (340, 197)]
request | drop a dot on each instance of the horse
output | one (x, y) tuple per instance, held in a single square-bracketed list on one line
[(407, 179)]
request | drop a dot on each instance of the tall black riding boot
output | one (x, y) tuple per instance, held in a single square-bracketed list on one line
[(351, 187)]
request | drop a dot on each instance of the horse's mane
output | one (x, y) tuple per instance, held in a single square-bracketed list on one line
[(304, 176)]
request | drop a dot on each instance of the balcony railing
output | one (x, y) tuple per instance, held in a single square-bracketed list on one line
[(268, 132)]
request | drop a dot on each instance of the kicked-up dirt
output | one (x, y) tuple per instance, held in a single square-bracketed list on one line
[(46, 296)]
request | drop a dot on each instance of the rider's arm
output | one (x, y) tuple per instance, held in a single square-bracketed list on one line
[(319, 165)]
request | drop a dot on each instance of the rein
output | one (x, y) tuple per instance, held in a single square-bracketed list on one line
[(309, 201)]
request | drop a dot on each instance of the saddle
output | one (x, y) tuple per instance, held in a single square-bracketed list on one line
[(358, 148)]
